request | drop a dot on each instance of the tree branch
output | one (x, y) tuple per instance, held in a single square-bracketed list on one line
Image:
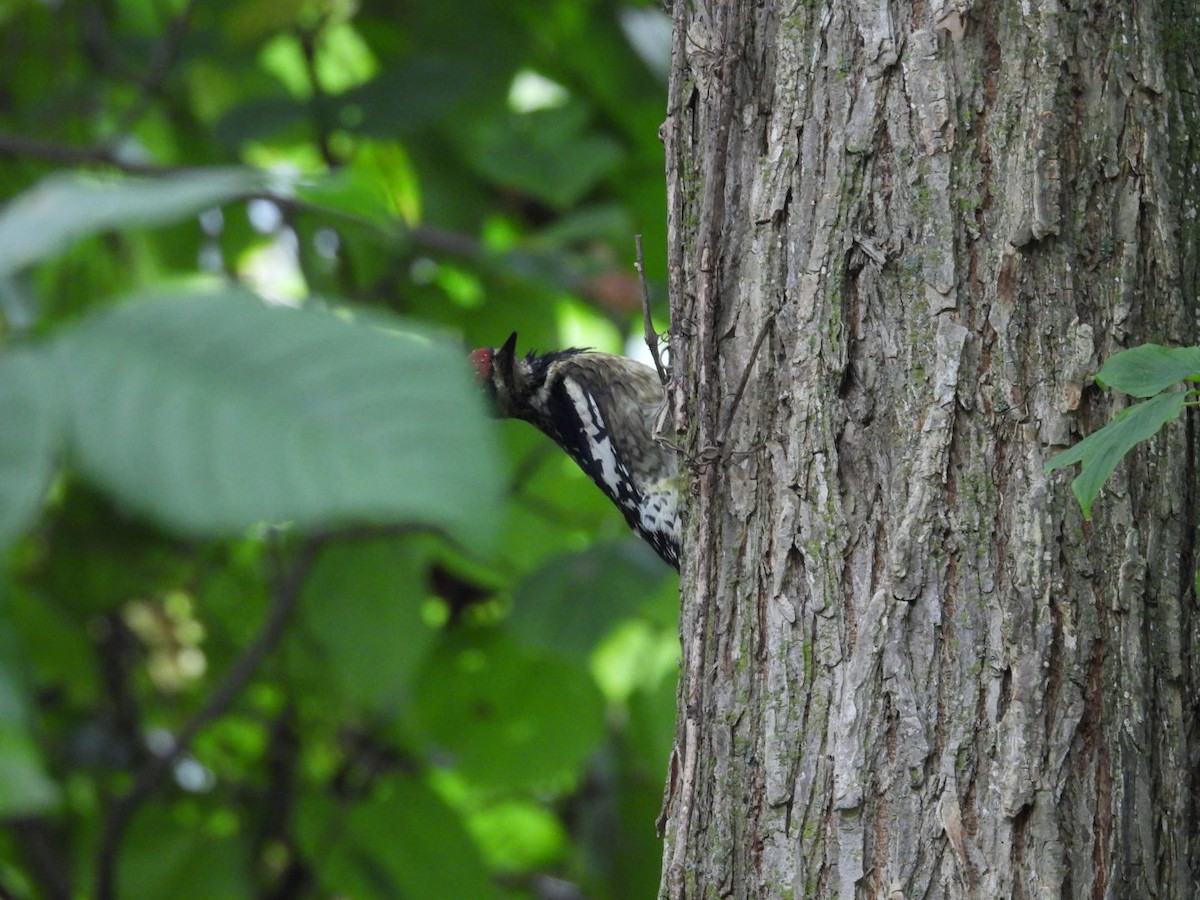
[(148, 779), (16, 146), (319, 100)]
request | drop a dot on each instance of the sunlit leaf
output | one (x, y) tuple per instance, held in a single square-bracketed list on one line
[(1101, 451), (64, 207), (1144, 371), (402, 842), (30, 404), (518, 834), (211, 413)]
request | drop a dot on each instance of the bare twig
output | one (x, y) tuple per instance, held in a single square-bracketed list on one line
[(741, 388), (149, 778), (647, 322)]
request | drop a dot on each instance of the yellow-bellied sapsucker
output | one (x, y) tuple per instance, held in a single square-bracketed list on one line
[(603, 411)]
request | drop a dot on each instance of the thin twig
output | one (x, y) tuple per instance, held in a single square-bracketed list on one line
[(647, 322), (148, 779), (741, 388)]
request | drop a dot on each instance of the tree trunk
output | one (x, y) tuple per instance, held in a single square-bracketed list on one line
[(910, 667)]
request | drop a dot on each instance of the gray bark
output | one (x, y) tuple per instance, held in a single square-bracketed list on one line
[(910, 668)]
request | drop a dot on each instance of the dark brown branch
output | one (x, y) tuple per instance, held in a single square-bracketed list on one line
[(318, 100), (149, 778)]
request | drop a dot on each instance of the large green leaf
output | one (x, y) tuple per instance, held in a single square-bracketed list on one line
[(1100, 452), (508, 717), (211, 413), (572, 602), (66, 206), (30, 405), (362, 620), (1144, 371)]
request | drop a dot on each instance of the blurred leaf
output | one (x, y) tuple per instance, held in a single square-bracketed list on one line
[(210, 413), (362, 614), (252, 20), (409, 96), (206, 425), (1144, 371), (403, 842), (590, 223), (258, 119), (550, 154), (166, 855), (59, 653), (572, 602), (97, 556), (518, 835), (508, 717), (63, 207), (649, 734), (350, 191), (25, 788), (31, 404), (1101, 451)]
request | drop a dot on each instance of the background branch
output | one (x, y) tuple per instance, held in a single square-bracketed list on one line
[(151, 775)]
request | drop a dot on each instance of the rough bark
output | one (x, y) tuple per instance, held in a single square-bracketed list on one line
[(910, 668)]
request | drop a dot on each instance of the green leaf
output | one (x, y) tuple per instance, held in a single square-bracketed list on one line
[(571, 603), (169, 854), (1144, 371), (211, 413), (25, 788), (1100, 452), (349, 192), (403, 842), (64, 207), (550, 154), (507, 717), (30, 399), (362, 617), (518, 834)]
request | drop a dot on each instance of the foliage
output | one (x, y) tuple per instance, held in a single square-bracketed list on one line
[(282, 612), (1148, 371)]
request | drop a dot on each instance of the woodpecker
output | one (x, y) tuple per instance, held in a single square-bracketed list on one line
[(602, 410)]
